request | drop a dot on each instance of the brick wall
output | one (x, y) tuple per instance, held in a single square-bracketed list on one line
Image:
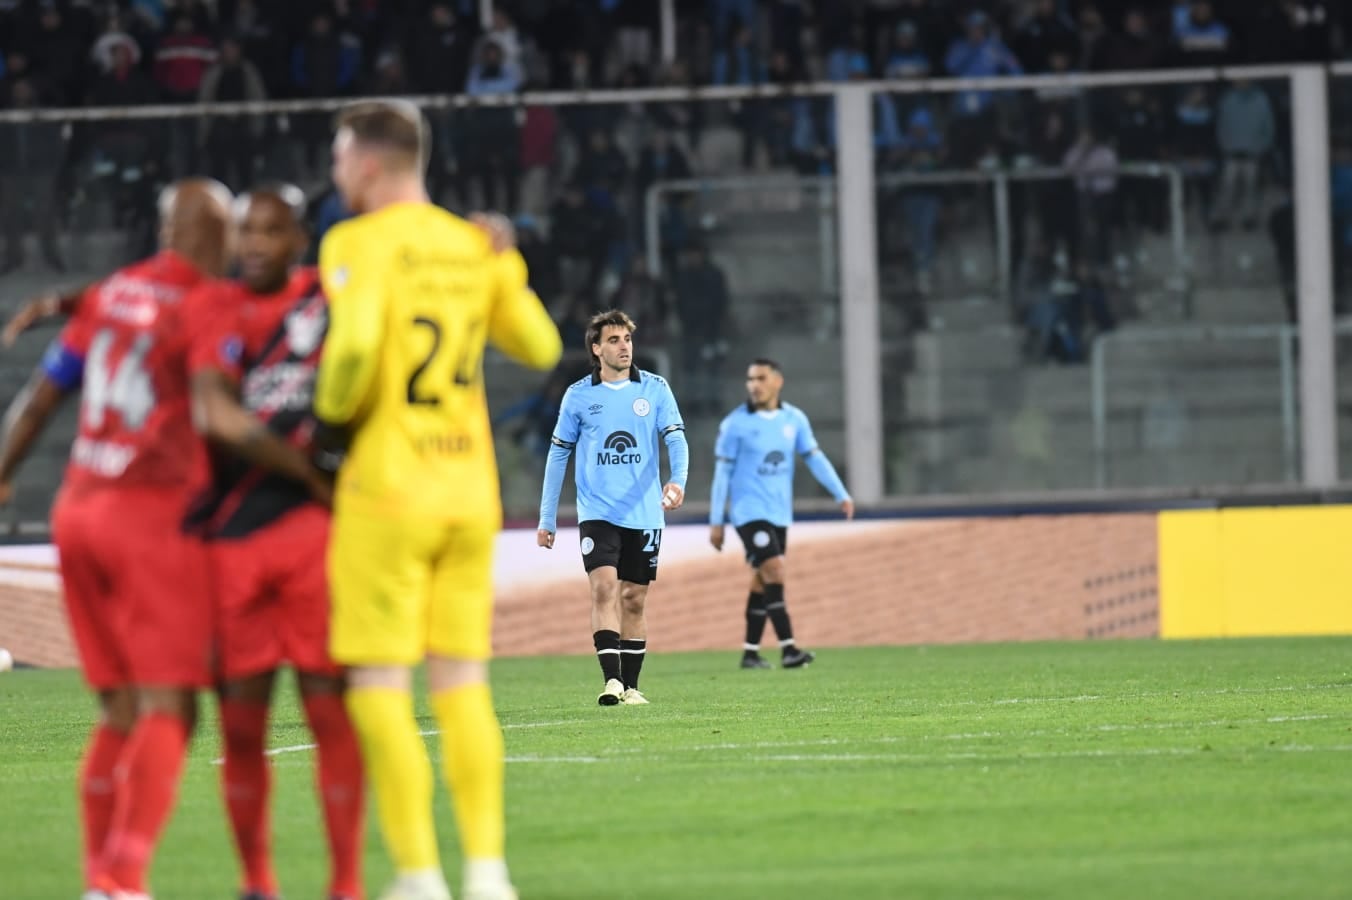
[(940, 581)]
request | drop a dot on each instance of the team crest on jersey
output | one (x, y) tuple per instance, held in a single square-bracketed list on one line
[(305, 328), (641, 407), (231, 350), (789, 432)]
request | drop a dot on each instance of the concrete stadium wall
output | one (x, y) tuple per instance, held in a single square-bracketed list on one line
[(860, 583)]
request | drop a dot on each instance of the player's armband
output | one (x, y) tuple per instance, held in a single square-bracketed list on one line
[(63, 366)]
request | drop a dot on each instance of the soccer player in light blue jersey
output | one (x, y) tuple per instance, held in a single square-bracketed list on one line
[(753, 488), (616, 419)]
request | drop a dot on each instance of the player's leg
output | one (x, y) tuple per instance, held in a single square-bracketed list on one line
[(638, 567), (147, 780), (379, 585), (249, 653), (757, 538), (772, 571), (338, 778), (303, 622), (459, 645), (246, 777), (755, 624), (92, 614), (98, 794), (601, 548), (159, 585)]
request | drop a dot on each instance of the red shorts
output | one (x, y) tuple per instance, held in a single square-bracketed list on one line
[(135, 587), (272, 595)]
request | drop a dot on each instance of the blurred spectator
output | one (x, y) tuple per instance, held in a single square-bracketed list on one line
[(849, 58), (439, 50), (786, 27), (181, 60), (326, 213), (231, 143), (1135, 47), (661, 160), (389, 78), (1093, 32), (640, 295), (812, 141), (724, 13), (737, 62), (581, 233), (1245, 132), (261, 42), (702, 306), (920, 204), (503, 33), (978, 54), (578, 311), (326, 62), (1093, 163), (31, 157), (1200, 39), (495, 74), (909, 58), (61, 55), (487, 138), (601, 165), (127, 154), (1141, 137), (1045, 31), (539, 153), (1055, 199), (541, 261), (636, 24), (1194, 142), (17, 70)]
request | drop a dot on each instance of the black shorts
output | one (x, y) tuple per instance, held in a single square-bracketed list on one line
[(763, 541), (632, 551)]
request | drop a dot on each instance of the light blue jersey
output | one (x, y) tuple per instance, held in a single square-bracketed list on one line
[(753, 475), (617, 429)]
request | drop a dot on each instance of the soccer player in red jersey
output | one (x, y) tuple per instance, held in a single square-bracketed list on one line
[(267, 536), (138, 603)]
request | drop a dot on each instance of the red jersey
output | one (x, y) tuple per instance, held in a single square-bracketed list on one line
[(127, 347), (269, 344)]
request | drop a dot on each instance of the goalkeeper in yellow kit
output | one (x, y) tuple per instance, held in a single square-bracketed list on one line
[(414, 294)]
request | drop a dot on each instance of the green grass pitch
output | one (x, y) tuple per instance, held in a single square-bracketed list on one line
[(1133, 769)]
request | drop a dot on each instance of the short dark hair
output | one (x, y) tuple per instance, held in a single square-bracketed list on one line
[(288, 195), (392, 124), (768, 363), (598, 323)]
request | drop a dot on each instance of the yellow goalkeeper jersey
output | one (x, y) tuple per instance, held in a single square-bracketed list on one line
[(414, 295)]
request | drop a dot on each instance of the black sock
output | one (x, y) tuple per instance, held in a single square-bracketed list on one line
[(632, 651), (755, 621), (779, 616), (608, 653)]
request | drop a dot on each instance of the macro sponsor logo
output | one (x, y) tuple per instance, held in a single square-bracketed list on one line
[(771, 464), (618, 450)]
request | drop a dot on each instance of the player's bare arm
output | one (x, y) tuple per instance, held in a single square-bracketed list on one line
[(40, 309), (221, 419), (716, 537), (24, 423)]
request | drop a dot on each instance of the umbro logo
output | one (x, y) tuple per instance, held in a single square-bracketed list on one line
[(595, 408)]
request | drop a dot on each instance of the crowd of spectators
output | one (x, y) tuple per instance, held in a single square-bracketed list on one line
[(576, 176)]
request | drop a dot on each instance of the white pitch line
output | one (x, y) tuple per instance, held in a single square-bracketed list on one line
[(302, 748)]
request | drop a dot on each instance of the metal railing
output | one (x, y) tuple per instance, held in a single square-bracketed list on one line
[(998, 179), (1285, 337)]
